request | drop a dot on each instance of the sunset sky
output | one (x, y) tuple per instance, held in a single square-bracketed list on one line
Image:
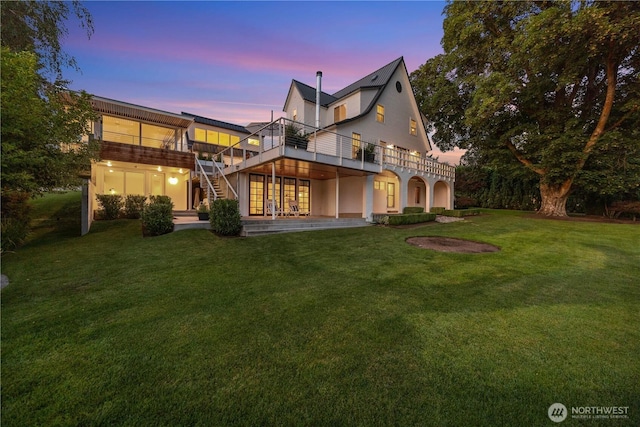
[(234, 61)]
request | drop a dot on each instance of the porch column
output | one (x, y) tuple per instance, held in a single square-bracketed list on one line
[(273, 190), (367, 202), (452, 204), (403, 183), (337, 194), (430, 195), (190, 193)]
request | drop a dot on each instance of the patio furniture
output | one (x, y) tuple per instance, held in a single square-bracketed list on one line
[(294, 209), (272, 207)]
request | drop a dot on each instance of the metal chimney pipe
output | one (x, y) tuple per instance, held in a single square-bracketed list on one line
[(318, 90)]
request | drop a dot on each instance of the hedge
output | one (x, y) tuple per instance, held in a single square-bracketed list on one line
[(459, 213), (412, 210), (437, 210), (413, 218)]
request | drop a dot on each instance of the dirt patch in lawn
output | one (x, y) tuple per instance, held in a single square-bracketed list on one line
[(449, 244)]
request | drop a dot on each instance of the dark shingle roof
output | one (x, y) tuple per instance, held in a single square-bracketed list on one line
[(309, 94), (217, 123), (377, 79)]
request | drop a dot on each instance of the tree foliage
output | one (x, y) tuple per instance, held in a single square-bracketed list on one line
[(42, 127), (40, 27), (42, 121), (549, 84)]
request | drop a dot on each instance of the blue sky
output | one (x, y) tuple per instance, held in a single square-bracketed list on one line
[(234, 61)]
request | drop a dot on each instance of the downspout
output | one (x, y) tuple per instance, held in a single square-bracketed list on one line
[(318, 90)]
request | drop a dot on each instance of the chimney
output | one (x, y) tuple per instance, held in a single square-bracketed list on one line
[(318, 90)]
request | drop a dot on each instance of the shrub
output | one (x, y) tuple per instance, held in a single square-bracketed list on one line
[(414, 218), (412, 210), (16, 217), (110, 205), (15, 205), (225, 217), (14, 233), (134, 205), (459, 213), (157, 216), (437, 210), (161, 200)]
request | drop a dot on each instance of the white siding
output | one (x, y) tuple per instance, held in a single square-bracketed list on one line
[(399, 108)]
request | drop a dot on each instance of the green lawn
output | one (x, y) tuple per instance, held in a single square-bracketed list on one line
[(342, 327)]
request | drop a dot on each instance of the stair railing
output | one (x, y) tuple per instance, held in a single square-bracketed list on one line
[(220, 173), (203, 173)]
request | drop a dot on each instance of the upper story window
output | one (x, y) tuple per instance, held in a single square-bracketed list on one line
[(295, 115), (413, 127), (380, 113), (355, 144), (117, 129), (214, 137), (339, 113)]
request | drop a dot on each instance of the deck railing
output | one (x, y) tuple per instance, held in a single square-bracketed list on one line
[(283, 133)]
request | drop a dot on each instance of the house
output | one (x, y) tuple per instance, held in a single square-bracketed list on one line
[(357, 152)]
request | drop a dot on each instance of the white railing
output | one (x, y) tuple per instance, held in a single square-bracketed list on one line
[(283, 133), (215, 170)]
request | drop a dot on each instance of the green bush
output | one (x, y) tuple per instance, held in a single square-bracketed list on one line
[(161, 200), (414, 218), (412, 210), (16, 217), (110, 205), (157, 216), (225, 217), (14, 233), (459, 213), (437, 210), (134, 205)]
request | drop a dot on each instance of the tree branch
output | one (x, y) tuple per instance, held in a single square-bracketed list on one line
[(606, 108), (528, 163)]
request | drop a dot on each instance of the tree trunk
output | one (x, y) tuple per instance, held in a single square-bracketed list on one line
[(554, 199)]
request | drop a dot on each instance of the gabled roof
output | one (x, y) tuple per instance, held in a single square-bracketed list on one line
[(216, 123), (309, 94), (378, 79)]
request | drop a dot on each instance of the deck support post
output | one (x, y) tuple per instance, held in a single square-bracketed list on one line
[(337, 194), (273, 190)]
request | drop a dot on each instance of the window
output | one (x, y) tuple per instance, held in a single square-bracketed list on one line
[(214, 137), (158, 136), (339, 113), (413, 127), (417, 196), (270, 195), (355, 145), (295, 115), (200, 135), (304, 194), (391, 194), (116, 129), (289, 190), (380, 113), (256, 194)]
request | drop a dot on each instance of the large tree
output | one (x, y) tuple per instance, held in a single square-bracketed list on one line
[(42, 121), (546, 83)]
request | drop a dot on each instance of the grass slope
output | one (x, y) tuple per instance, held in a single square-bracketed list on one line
[(342, 327)]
